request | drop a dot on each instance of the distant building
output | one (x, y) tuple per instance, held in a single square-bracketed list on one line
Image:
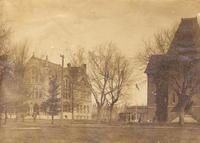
[(134, 114), (162, 98), (76, 84), (76, 93)]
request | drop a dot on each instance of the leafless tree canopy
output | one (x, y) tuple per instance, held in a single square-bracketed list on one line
[(120, 79), (19, 57), (158, 45), (109, 75), (78, 57), (4, 38)]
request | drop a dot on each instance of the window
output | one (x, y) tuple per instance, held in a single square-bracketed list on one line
[(174, 98), (133, 117), (66, 89), (67, 108), (84, 109), (77, 108), (35, 76), (40, 93), (81, 110), (88, 109), (36, 93)]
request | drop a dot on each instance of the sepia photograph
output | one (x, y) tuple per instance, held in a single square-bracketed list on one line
[(99, 71)]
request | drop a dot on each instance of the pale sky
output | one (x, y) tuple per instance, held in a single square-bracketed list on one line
[(53, 26)]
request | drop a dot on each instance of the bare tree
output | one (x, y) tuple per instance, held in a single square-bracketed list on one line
[(78, 57), (181, 75), (109, 74), (4, 48), (186, 84), (100, 61), (158, 45), (18, 57), (120, 79)]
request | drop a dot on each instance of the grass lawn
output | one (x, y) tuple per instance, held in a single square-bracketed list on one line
[(41, 132)]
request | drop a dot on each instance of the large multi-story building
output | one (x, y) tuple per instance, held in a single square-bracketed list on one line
[(77, 102), (162, 98), (77, 95)]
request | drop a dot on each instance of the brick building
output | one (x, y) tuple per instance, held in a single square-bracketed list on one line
[(161, 98), (76, 94)]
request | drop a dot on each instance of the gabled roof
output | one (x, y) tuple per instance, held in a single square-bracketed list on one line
[(187, 37), (44, 62)]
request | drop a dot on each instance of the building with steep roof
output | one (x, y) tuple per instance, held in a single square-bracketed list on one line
[(77, 99), (161, 98), (186, 40)]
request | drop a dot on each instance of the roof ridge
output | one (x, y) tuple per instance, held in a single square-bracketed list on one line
[(44, 60)]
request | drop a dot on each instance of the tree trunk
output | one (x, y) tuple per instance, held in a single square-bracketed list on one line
[(181, 117), (34, 116), (16, 116), (6, 117), (111, 112), (99, 108), (52, 119), (0, 119)]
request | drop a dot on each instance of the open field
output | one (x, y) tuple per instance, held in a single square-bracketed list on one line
[(41, 132)]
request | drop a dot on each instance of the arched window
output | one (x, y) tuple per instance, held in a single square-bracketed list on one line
[(66, 89)]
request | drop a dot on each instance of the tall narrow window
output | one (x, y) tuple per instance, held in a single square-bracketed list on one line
[(66, 89), (173, 98), (36, 92), (81, 109), (84, 109), (87, 109), (40, 93), (77, 108)]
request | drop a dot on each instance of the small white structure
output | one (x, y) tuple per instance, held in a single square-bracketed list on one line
[(187, 119)]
